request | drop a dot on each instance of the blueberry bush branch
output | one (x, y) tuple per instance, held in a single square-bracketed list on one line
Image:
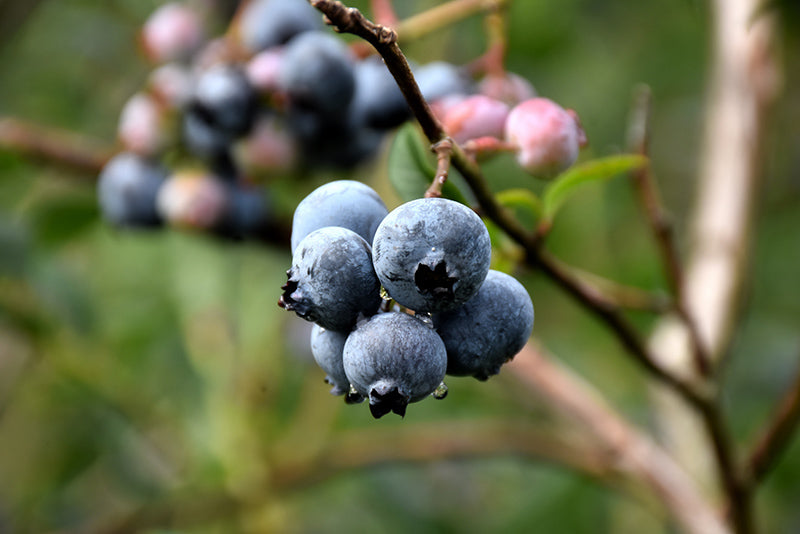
[(661, 225), (701, 397), (632, 452), (744, 84), (384, 40), (443, 150), (51, 145), (776, 435), (443, 15)]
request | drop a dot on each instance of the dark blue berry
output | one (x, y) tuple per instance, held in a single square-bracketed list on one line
[(489, 329), (346, 203), (440, 79), (246, 213), (222, 108), (267, 23), (127, 189), (394, 359), (317, 74), (378, 102), (331, 281), (327, 347), (431, 254)]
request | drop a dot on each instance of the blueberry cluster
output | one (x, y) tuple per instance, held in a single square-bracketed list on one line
[(400, 298), (276, 93)]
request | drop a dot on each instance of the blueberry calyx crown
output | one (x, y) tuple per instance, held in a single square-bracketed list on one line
[(436, 281), (384, 399), (289, 300)]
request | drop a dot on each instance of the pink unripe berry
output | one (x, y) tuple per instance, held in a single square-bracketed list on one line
[(548, 137), (264, 68), (173, 32), (142, 126), (269, 148), (192, 200), (475, 116)]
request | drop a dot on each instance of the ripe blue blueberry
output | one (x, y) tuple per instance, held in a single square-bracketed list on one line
[(331, 281), (329, 142), (224, 99), (201, 137), (346, 203), (431, 254), (378, 102), (127, 189), (327, 347), (317, 74), (439, 79), (267, 23), (394, 359), (489, 329), (246, 213)]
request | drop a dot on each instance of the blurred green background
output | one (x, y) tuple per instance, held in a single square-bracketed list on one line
[(149, 382)]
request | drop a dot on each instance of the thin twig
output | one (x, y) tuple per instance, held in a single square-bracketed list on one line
[(492, 62), (776, 435), (660, 223), (360, 449), (624, 296), (744, 83), (429, 442), (613, 318), (739, 502), (52, 145), (444, 151), (443, 16)]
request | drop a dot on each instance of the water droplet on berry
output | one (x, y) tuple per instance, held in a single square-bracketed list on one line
[(385, 294), (425, 318), (440, 392), (353, 396)]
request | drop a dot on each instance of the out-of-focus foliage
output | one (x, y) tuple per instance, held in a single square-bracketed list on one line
[(151, 378)]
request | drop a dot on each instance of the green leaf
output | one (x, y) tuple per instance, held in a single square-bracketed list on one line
[(521, 198), (592, 171), (411, 169)]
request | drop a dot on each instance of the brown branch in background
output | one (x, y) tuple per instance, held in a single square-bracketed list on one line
[(612, 316), (444, 151), (442, 16), (660, 223), (776, 435), (493, 61), (623, 296), (745, 80), (360, 449), (429, 442), (51, 145), (632, 453)]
